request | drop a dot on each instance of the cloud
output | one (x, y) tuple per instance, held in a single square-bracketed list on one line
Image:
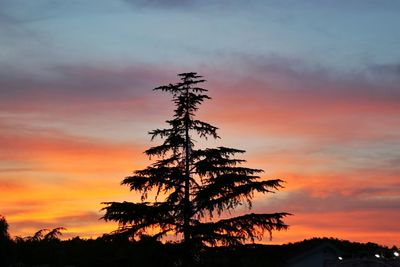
[(218, 7), (304, 76), (11, 29), (70, 221), (368, 226), (277, 89), (386, 74), (35, 148), (21, 207), (160, 3), (164, 4), (367, 199), (369, 214), (289, 97), (80, 81), (71, 89), (6, 185), (391, 69)]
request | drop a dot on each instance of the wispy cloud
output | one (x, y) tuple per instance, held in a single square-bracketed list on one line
[(162, 4), (291, 98), (71, 89)]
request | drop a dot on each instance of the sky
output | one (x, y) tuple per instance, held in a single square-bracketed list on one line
[(310, 89)]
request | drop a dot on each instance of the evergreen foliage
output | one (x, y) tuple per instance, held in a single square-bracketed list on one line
[(4, 229), (102, 251), (5, 242), (193, 186)]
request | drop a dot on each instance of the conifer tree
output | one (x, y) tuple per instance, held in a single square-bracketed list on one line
[(193, 187)]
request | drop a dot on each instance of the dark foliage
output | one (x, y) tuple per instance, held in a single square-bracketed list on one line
[(5, 242), (117, 252), (193, 185), (4, 229)]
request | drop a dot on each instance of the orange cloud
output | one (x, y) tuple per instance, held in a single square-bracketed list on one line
[(358, 226), (334, 142), (303, 113), (48, 175)]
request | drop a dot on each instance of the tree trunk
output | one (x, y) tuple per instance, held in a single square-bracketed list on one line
[(187, 211)]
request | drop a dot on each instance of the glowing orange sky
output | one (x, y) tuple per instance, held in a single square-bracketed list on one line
[(53, 178)]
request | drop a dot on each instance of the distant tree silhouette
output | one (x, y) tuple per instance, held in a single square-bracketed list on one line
[(5, 242), (44, 235), (4, 229), (54, 234), (39, 235), (193, 185)]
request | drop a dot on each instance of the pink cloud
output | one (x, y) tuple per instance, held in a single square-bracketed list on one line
[(337, 137)]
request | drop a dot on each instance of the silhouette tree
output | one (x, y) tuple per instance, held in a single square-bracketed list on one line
[(39, 235), (192, 185), (3, 229), (43, 235), (54, 234), (5, 242)]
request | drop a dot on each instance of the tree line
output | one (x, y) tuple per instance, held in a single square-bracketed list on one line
[(110, 250)]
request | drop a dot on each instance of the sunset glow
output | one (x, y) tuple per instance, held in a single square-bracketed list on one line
[(311, 91)]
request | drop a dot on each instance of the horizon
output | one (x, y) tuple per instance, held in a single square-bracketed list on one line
[(310, 90)]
